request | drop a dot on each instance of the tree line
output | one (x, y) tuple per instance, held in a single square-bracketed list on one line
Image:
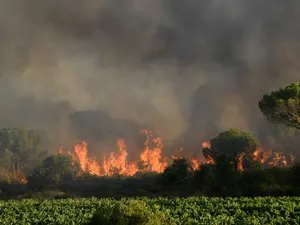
[(23, 155)]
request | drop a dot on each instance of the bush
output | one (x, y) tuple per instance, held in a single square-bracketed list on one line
[(127, 212)]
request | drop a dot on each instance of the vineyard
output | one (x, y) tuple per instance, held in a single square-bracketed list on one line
[(195, 210)]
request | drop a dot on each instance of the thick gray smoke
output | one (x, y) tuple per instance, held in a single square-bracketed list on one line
[(188, 69)]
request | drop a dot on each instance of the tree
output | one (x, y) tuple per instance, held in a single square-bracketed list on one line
[(54, 171), (282, 106), (178, 173), (235, 145), (20, 149)]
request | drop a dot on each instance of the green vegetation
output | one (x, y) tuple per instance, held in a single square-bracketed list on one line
[(53, 181), (20, 151), (54, 171), (283, 106), (230, 144), (157, 211)]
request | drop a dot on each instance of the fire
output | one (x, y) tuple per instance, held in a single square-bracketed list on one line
[(151, 157), (87, 164), (240, 161), (258, 155), (22, 177), (278, 160), (209, 159), (206, 145), (195, 164), (118, 164)]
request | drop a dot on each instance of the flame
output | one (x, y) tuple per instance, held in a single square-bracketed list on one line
[(209, 159), (22, 177), (206, 145), (195, 164), (86, 164), (118, 164), (151, 157), (240, 161), (278, 160), (258, 155)]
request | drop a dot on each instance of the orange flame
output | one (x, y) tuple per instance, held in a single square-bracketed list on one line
[(195, 164), (22, 177), (151, 157), (118, 164), (86, 164), (206, 145), (240, 161)]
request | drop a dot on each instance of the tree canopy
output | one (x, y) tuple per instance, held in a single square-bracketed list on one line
[(20, 149), (54, 170), (282, 106), (231, 144)]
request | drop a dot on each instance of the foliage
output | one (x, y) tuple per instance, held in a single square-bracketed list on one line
[(282, 106), (128, 212), (54, 171), (231, 144), (20, 149), (177, 173), (164, 211)]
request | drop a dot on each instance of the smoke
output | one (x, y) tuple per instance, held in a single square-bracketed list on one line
[(189, 69)]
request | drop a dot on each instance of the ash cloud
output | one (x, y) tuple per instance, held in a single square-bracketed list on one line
[(188, 69)]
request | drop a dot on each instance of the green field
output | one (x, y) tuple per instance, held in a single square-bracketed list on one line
[(195, 210)]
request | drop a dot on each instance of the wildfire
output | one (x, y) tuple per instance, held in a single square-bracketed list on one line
[(206, 145), (22, 177), (278, 160), (151, 159), (240, 161), (118, 164), (87, 164), (195, 164)]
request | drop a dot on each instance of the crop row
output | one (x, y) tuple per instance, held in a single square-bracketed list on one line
[(157, 211)]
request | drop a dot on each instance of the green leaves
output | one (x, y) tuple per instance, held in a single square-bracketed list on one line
[(229, 144), (20, 149), (283, 106), (54, 170), (162, 211)]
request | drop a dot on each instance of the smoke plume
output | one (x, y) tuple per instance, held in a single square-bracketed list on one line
[(188, 69)]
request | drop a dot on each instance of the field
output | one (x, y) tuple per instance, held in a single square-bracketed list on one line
[(195, 210)]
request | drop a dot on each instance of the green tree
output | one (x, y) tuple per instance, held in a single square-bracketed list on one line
[(20, 149), (54, 172), (282, 106), (179, 173), (234, 145)]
